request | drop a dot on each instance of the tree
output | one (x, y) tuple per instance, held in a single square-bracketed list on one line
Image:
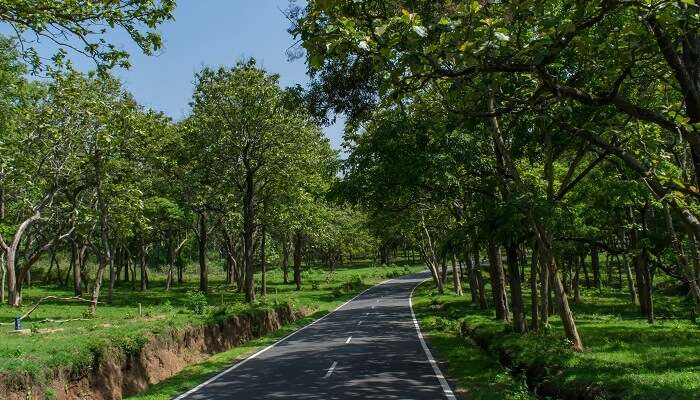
[(82, 27), (254, 141)]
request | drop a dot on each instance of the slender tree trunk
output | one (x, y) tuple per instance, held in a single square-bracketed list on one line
[(263, 267), (587, 280), (180, 273), (694, 254), (106, 259), (595, 266), (285, 258), (576, 285), (3, 275), (52, 258), (498, 286), (533, 289), (203, 236), (13, 297), (77, 284), (428, 252), (640, 264), (648, 285), (171, 263), (127, 264), (688, 270), (632, 287), (478, 277), (516, 290), (231, 262), (142, 264), (112, 279), (298, 243), (455, 277), (248, 235), (565, 313), (2, 202), (473, 285), (443, 274)]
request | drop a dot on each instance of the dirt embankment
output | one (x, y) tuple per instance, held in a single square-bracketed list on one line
[(117, 375)]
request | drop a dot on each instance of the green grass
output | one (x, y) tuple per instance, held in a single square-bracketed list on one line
[(75, 346), (624, 355), (479, 376)]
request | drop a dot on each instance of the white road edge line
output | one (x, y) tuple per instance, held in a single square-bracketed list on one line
[(443, 382), (330, 370), (349, 339), (215, 377)]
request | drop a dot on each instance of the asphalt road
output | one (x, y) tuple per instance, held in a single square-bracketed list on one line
[(369, 348)]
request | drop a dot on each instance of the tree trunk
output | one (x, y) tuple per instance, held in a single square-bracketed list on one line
[(285, 258), (455, 277), (3, 275), (298, 243), (203, 236), (498, 285), (586, 278), (13, 295), (694, 254), (231, 259), (77, 284), (647, 285), (143, 265), (171, 264), (248, 235), (443, 274), (428, 253), (632, 287), (478, 277), (576, 285), (533, 291), (595, 266), (516, 290), (641, 268), (263, 267), (127, 264), (565, 313), (112, 279), (473, 285)]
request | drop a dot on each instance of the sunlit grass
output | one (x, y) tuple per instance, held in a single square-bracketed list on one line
[(479, 376), (625, 356)]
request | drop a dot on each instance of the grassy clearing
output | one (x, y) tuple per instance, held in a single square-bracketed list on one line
[(478, 375), (625, 356), (74, 346)]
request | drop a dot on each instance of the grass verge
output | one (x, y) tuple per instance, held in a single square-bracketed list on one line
[(625, 357), (478, 375)]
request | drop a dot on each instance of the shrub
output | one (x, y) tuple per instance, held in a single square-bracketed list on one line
[(168, 307), (196, 302)]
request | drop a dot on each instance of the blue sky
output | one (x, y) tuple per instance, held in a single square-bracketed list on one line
[(211, 33)]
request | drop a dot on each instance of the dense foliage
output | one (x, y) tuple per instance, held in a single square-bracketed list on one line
[(553, 130)]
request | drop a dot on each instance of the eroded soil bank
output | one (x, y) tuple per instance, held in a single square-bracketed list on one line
[(117, 374)]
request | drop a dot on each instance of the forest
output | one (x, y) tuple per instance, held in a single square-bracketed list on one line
[(539, 157)]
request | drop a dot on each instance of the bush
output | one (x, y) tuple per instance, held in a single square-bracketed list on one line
[(196, 302)]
